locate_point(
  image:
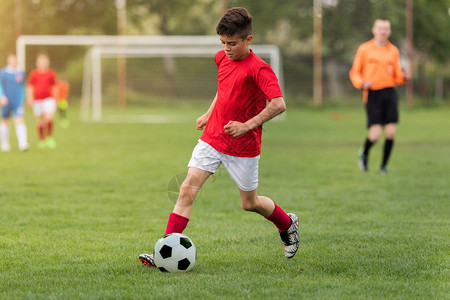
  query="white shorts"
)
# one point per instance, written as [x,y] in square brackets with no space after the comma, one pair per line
[40,107]
[243,170]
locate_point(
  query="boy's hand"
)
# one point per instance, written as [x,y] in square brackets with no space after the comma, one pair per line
[201,121]
[30,102]
[235,128]
[3,101]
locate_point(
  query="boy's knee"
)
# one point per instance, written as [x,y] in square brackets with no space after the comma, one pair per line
[390,135]
[248,206]
[390,132]
[188,192]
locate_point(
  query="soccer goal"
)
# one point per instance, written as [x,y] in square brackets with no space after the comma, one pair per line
[195,74]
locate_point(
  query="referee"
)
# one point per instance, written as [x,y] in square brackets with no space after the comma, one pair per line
[376,70]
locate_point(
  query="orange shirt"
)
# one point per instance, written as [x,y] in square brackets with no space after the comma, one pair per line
[63,89]
[378,65]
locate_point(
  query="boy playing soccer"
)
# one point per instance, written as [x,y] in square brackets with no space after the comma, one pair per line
[41,94]
[376,70]
[12,85]
[232,131]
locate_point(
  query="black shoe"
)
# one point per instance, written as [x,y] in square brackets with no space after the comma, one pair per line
[362,162]
[290,237]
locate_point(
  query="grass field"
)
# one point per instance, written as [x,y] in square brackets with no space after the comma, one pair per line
[74,220]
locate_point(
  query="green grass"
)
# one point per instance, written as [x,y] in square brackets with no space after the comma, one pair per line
[73,220]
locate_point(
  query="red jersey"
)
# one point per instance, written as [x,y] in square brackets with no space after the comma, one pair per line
[243,88]
[42,83]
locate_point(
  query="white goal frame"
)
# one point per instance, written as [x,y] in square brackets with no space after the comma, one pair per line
[92,85]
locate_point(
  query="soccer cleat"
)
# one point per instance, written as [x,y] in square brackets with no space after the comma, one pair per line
[383,170]
[362,162]
[290,237]
[147,260]
[50,142]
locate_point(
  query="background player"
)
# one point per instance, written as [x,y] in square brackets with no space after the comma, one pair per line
[376,70]
[232,131]
[12,85]
[41,93]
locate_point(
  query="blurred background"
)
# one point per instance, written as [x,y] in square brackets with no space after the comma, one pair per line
[317,40]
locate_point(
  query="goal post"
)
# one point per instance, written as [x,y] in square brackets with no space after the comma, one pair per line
[92,81]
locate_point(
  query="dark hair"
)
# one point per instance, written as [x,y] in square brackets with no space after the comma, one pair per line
[237,21]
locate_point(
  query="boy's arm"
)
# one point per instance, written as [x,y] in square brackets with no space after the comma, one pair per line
[275,107]
[356,72]
[201,121]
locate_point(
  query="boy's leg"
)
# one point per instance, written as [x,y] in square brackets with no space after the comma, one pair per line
[41,131]
[266,208]
[389,133]
[373,136]
[189,189]
[49,110]
[48,125]
[179,218]
[287,224]
[4,135]
[21,132]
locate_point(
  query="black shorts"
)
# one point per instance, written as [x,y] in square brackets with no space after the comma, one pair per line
[382,107]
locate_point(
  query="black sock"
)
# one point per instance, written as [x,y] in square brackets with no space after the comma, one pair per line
[367,145]
[388,144]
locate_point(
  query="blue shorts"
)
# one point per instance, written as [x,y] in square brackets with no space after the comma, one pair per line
[15,107]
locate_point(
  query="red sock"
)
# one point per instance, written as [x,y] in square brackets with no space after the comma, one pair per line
[41,132]
[176,223]
[49,128]
[280,219]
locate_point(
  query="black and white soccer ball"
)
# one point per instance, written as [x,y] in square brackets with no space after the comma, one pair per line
[175,252]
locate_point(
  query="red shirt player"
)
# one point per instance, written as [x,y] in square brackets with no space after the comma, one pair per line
[232,131]
[41,94]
